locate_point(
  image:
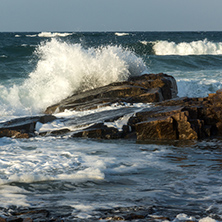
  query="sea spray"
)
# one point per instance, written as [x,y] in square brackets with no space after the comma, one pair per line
[64,68]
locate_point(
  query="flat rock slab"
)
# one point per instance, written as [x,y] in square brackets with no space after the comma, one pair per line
[146,88]
[23,127]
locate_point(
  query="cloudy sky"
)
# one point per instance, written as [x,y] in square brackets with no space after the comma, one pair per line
[110,15]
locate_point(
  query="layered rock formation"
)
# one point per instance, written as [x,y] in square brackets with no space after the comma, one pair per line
[145,88]
[169,117]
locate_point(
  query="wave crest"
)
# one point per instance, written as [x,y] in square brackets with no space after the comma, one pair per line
[121,33]
[65,68]
[201,47]
[50,34]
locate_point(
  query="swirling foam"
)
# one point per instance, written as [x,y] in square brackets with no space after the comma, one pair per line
[201,47]
[65,68]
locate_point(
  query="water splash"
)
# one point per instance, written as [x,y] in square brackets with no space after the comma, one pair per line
[65,68]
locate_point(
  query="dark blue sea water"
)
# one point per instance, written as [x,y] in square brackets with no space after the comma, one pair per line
[90,179]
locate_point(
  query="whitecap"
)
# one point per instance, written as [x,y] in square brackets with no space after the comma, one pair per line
[121,34]
[55,34]
[201,47]
[31,36]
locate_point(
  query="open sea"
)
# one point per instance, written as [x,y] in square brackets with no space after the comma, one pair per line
[95,180]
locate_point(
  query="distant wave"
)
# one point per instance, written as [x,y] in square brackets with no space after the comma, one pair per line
[50,34]
[31,35]
[146,42]
[121,33]
[201,47]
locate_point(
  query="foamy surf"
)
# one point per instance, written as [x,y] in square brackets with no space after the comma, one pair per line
[71,119]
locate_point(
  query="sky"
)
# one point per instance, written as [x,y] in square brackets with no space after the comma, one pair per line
[110,15]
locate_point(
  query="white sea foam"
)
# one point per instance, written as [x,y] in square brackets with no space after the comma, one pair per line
[34,35]
[198,84]
[50,34]
[201,47]
[145,42]
[53,34]
[41,165]
[207,219]
[183,217]
[68,114]
[12,195]
[65,68]
[121,34]
[118,124]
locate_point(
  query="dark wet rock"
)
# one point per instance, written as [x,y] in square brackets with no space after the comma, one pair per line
[128,214]
[99,131]
[38,214]
[32,214]
[23,127]
[146,88]
[55,132]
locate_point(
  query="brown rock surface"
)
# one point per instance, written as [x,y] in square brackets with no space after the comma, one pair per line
[181,119]
[146,88]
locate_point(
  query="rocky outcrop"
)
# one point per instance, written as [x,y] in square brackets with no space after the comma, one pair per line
[146,88]
[169,117]
[181,119]
[176,119]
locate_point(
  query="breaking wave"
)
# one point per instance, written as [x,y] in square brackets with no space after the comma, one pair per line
[65,68]
[201,47]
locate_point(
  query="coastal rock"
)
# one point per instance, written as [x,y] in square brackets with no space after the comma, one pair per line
[181,119]
[146,88]
[169,117]
[176,119]
[99,131]
[23,127]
